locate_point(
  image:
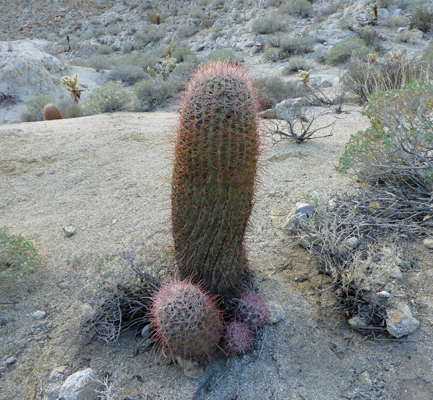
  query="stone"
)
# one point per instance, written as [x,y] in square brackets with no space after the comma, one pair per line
[357,323]
[364,380]
[399,321]
[384,294]
[276,312]
[69,231]
[428,242]
[352,242]
[304,208]
[290,108]
[145,332]
[10,361]
[382,15]
[395,272]
[190,368]
[80,386]
[269,113]
[57,376]
[38,315]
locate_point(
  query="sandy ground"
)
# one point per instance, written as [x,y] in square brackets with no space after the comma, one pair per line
[109,177]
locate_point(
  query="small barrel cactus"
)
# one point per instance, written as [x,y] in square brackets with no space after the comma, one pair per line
[252,309]
[51,111]
[186,320]
[238,337]
[214,175]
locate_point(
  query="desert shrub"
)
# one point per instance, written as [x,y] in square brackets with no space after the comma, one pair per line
[100,32]
[273,90]
[182,73]
[347,48]
[182,54]
[17,255]
[69,108]
[141,61]
[398,21]
[295,64]
[152,93]
[397,146]
[149,34]
[108,98]
[88,35]
[299,8]
[371,38]
[346,23]
[226,54]
[152,17]
[287,46]
[405,37]
[271,23]
[364,79]
[128,73]
[105,50]
[272,54]
[127,48]
[35,109]
[187,30]
[274,3]
[114,30]
[422,19]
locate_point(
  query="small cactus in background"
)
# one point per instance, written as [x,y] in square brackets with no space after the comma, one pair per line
[238,337]
[215,170]
[186,320]
[252,309]
[72,87]
[51,111]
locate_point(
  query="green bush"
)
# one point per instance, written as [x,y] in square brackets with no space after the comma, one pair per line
[272,54]
[182,54]
[108,98]
[105,50]
[69,108]
[17,255]
[150,34]
[346,23]
[152,93]
[100,32]
[344,50]
[397,146]
[271,23]
[299,8]
[187,30]
[35,109]
[287,46]
[128,73]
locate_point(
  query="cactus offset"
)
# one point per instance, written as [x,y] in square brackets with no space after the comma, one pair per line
[252,309]
[214,175]
[238,337]
[186,320]
[51,111]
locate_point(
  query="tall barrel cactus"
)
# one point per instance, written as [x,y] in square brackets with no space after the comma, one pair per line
[215,170]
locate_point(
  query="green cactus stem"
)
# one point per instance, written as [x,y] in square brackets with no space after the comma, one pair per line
[214,175]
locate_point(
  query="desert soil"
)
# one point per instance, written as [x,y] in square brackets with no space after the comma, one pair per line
[109,177]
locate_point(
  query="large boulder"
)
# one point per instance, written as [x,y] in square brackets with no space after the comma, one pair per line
[31,68]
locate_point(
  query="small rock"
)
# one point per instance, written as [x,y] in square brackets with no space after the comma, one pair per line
[114,221]
[80,386]
[400,321]
[69,231]
[10,361]
[190,368]
[395,273]
[38,315]
[428,242]
[145,332]
[301,278]
[276,312]
[402,29]
[357,323]
[352,242]
[269,113]
[304,208]
[384,294]
[364,380]
[59,374]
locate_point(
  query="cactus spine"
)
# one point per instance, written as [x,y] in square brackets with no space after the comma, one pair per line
[215,170]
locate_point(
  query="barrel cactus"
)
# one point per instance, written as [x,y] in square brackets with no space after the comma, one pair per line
[252,309]
[186,320]
[214,175]
[238,337]
[51,111]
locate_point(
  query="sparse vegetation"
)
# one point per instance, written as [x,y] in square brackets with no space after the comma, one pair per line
[152,93]
[108,98]
[273,90]
[299,8]
[270,24]
[17,255]
[288,45]
[35,109]
[344,50]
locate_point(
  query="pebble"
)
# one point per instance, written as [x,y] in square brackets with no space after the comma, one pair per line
[276,312]
[10,361]
[352,242]
[428,242]
[69,231]
[38,315]
[384,294]
[399,321]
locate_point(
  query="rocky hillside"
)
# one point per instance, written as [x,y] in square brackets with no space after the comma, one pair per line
[120,40]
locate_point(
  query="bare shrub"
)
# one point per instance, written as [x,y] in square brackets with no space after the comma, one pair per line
[299,8]
[271,23]
[295,64]
[397,69]
[273,90]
